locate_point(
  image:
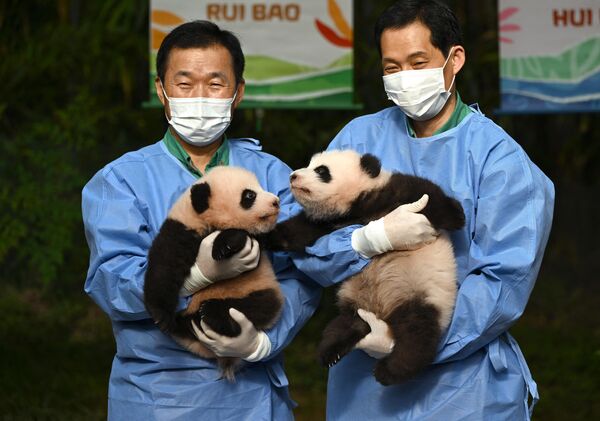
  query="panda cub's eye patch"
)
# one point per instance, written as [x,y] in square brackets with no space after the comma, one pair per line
[323,173]
[248,198]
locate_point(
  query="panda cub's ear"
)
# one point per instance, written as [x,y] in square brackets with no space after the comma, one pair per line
[199,196]
[370,164]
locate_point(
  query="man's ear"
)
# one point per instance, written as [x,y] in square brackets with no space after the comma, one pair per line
[241,88]
[458,58]
[200,193]
[159,91]
[370,164]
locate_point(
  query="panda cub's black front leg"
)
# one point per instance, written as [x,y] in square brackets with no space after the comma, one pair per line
[228,243]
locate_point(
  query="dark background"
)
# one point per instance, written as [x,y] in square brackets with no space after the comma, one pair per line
[72,77]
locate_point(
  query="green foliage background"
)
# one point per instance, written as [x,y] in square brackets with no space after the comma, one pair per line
[72,77]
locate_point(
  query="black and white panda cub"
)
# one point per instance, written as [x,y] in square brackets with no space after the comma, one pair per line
[228,199]
[413,291]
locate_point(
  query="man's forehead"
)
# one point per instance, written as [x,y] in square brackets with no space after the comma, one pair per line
[214,59]
[410,41]
[415,32]
[409,54]
[206,72]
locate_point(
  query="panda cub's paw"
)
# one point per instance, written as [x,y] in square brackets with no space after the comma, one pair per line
[228,243]
[331,353]
[215,313]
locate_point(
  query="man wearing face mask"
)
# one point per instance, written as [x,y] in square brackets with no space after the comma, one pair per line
[200,83]
[479,372]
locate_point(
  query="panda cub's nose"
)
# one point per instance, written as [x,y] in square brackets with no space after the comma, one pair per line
[293,176]
[276,203]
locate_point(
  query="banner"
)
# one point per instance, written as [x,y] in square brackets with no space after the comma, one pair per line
[299,54]
[549,55]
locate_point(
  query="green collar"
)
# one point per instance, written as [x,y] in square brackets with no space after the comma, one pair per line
[221,156]
[460,111]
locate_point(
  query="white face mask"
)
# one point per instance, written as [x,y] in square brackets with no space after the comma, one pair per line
[199,121]
[421,94]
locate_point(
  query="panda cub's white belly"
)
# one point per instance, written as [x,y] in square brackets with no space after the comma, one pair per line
[399,276]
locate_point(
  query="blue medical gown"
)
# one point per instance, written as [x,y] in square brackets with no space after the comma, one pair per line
[479,372]
[152,377]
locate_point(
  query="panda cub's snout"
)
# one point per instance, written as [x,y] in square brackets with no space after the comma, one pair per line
[270,200]
[297,177]
[300,181]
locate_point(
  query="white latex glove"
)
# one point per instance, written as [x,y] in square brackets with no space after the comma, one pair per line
[401,229]
[250,345]
[206,270]
[379,342]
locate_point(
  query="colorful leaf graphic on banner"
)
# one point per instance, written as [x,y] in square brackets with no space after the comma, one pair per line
[338,19]
[162,18]
[507,27]
[508,12]
[345,40]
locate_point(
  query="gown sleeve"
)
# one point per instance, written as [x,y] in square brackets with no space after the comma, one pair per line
[331,259]
[119,237]
[512,220]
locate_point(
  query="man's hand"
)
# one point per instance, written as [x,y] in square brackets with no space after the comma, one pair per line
[206,270]
[379,342]
[401,229]
[406,229]
[250,345]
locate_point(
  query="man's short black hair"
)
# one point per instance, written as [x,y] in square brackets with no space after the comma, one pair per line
[438,17]
[200,34]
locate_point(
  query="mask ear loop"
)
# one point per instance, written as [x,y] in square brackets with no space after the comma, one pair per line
[448,58]
[453,76]
[163,90]
[235,93]
[168,100]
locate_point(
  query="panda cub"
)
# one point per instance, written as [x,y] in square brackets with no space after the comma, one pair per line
[229,199]
[412,291]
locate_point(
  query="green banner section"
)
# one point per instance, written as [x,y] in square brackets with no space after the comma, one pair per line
[573,64]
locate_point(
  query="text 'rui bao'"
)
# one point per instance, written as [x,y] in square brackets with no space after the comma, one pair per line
[257,12]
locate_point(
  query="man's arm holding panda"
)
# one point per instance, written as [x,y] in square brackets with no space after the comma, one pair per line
[343,253]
